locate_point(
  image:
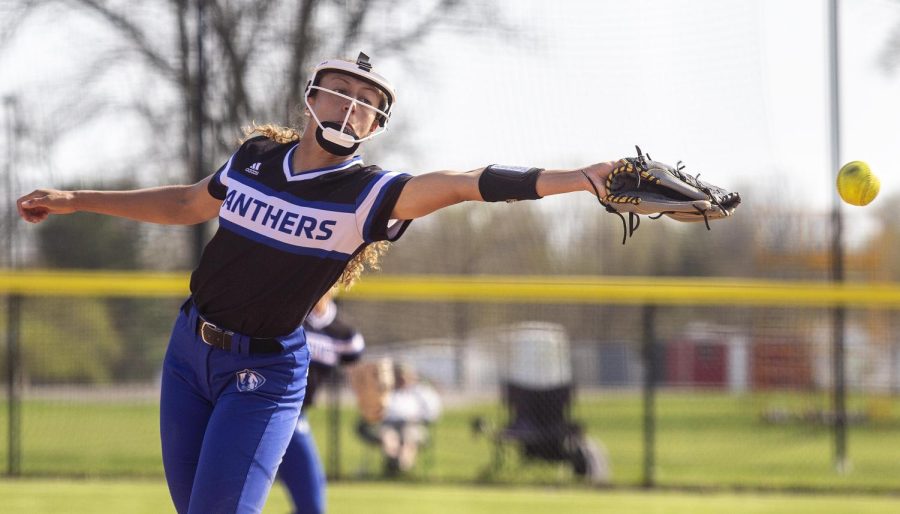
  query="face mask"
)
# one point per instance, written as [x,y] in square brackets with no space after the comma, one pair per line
[327,134]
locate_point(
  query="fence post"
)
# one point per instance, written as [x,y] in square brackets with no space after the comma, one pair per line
[13,391]
[649,389]
[837,248]
[839,392]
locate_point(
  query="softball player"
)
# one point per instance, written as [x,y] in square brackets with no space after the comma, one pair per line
[297,212]
[331,343]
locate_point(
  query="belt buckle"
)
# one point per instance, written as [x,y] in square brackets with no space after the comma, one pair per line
[222,339]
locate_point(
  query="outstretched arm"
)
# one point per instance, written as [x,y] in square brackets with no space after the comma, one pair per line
[430,192]
[167,205]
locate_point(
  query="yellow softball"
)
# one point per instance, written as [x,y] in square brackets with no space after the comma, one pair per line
[856,183]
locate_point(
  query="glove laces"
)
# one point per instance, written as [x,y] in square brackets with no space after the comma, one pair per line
[628,227]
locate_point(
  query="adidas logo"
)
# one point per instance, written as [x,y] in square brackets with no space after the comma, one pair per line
[253,169]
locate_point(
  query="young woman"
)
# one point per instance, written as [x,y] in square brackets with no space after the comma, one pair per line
[297,213]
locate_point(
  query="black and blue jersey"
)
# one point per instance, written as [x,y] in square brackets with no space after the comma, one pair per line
[284,238]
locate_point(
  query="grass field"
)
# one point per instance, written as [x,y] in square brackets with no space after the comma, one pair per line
[46,496]
[703,440]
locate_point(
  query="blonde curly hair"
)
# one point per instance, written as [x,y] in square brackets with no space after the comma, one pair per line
[370,256]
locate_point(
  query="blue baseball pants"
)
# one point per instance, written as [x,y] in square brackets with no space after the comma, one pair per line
[226,419]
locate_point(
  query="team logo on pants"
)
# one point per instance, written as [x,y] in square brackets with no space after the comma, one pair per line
[249,380]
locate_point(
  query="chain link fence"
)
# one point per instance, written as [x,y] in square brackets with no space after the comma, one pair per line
[578,394]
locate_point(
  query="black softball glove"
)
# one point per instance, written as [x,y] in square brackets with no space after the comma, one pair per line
[642,186]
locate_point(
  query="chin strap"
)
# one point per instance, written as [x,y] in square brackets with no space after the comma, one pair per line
[330,146]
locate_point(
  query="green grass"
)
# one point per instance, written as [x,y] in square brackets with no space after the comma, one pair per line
[713,439]
[40,496]
[703,440]
[91,438]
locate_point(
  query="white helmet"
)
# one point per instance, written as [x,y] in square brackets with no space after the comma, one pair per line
[362,70]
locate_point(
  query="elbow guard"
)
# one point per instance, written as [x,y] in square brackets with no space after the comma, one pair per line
[499,183]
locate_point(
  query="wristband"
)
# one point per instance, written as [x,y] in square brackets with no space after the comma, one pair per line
[499,183]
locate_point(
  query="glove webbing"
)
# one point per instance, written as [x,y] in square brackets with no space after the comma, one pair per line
[640,163]
[695,181]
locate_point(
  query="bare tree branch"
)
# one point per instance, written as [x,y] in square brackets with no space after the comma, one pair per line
[224,22]
[301,43]
[356,16]
[442,15]
[13,16]
[251,46]
[256,55]
[132,33]
[185,78]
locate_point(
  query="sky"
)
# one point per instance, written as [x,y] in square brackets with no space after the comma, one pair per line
[737,89]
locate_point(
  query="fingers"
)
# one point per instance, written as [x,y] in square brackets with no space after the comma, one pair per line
[36,215]
[603,171]
[26,208]
[595,184]
[33,213]
[33,207]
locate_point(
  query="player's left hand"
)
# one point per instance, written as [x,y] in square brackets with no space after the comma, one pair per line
[597,175]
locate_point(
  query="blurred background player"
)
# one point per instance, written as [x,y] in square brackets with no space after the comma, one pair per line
[331,343]
[396,410]
[412,407]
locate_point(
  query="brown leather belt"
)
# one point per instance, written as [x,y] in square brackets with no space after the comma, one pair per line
[221,338]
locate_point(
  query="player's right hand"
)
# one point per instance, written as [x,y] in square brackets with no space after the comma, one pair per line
[38,205]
